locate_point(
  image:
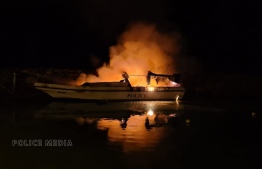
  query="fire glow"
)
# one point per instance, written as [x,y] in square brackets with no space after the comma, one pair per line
[150,112]
[141,48]
[150,88]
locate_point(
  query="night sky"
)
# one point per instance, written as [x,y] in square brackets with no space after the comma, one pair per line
[224,36]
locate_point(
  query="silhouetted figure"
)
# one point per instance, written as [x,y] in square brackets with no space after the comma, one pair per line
[147,125]
[123,123]
[156,119]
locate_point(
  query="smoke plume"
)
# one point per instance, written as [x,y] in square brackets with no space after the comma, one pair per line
[141,48]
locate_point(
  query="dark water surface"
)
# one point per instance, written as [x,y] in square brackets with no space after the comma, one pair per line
[178,134]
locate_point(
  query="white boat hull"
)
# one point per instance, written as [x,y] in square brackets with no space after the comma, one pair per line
[109,93]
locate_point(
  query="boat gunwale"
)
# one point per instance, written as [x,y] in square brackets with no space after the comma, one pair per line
[92,88]
[180,89]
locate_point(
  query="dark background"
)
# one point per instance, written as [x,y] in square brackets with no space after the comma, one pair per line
[224,36]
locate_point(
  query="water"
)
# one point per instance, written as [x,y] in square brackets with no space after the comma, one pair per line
[178,134]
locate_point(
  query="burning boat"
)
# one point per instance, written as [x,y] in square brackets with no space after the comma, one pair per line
[122,90]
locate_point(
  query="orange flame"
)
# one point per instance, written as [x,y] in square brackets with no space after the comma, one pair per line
[141,48]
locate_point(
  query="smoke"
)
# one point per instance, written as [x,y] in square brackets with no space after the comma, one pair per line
[141,48]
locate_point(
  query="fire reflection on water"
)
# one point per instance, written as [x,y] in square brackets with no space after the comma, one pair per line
[136,132]
[133,133]
[129,126]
